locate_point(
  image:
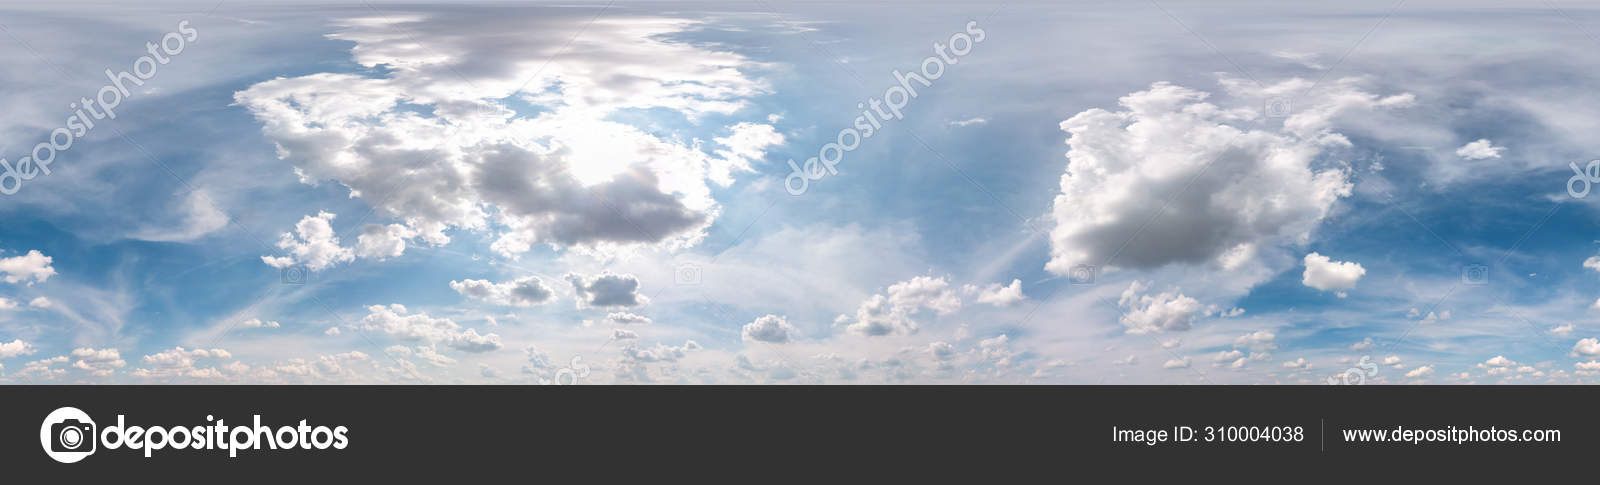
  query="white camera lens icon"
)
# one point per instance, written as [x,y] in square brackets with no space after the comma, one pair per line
[68,435]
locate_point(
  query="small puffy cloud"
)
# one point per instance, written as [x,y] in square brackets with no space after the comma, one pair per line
[1228,356]
[383,242]
[331,332]
[98,362]
[1176,364]
[998,295]
[179,357]
[606,290]
[33,267]
[1562,330]
[41,302]
[1498,365]
[15,348]
[394,321]
[928,292]
[1480,150]
[942,351]
[1163,312]
[623,334]
[1419,372]
[1129,360]
[525,291]
[1326,274]
[769,328]
[258,323]
[1586,347]
[1364,345]
[312,244]
[1298,364]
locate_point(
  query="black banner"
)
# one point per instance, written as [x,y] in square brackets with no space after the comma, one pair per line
[611,433]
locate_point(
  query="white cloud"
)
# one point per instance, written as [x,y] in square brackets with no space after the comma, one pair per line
[1562,330]
[1260,340]
[1299,364]
[568,176]
[258,323]
[179,357]
[31,266]
[525,291]
[316,246]
[1422,371]
[97,362]
[1168,311]
[968,122]
[381,242]
[769,328]
[1586,347]
[1265,189]
[200,217]
[394,321]
[1364,345]
[1326,274]
[998,295]
[1480,150]
[15,348]
[1176,364]
[41,302]
[881,315]
[625,318]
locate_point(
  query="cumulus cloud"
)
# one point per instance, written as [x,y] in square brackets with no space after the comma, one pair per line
[97,362]
[1238,190]
[1176,364]
[569,176]
[606,290]
[1326,274]
[1421,371]
[1480,150]
[312,244]
[41,302]
[1297,364]
[892,313]
[34,266]
[382,242]
[1163,312]
[181,358]
[525,291]
[394,321]
[998,295]
[1587,347]
[15,348]
[773,329]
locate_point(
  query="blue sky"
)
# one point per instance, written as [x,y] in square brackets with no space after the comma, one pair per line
[531,193]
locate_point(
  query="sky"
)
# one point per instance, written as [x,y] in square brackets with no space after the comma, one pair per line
[800,193]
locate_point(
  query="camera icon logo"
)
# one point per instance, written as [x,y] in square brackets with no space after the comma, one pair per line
[68,435]
[687,274]
[1278,107]
[1082,274]
[293,275]
[1475,274]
